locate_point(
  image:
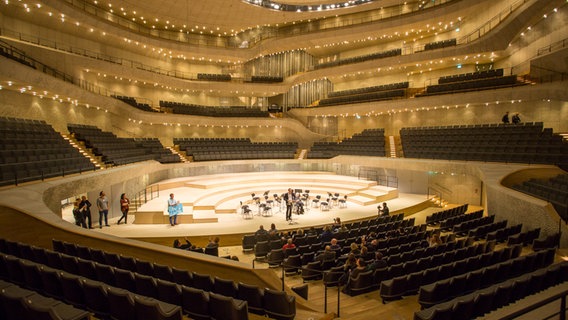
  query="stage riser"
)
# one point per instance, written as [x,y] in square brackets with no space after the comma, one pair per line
[158,217]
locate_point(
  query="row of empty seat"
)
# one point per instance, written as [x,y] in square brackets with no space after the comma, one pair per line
[370,142]
[204,149]
[119,151]
[170,285]
[469,85]
[213,77]
[20,303]
[266,79]
[371,56]
[384,87]
[440,44]
[482,301]
[213,111]
[32,150]
[554,190]
[471,76]
[364,97]
[132,101]
[527,143]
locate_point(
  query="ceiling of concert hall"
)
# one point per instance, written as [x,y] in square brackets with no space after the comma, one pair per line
[232,14]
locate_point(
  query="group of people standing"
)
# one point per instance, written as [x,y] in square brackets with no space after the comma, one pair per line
[82,210]
[516,119]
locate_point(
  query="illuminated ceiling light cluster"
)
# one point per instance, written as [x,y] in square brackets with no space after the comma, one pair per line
[274,5]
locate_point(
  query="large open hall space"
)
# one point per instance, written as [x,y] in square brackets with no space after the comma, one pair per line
[283,159]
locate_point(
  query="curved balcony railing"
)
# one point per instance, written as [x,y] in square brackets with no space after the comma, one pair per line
[257,35]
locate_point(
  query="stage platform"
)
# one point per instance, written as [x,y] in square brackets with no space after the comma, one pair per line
[212,204]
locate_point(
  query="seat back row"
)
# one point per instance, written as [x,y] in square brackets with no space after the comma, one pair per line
[404,284]
[436,217]
[447,289]
[277,302]
[19,303]
[96,296]
[480,302]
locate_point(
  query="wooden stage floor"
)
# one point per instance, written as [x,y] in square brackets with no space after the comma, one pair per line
[218,197]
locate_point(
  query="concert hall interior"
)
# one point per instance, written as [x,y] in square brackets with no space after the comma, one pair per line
[450,112]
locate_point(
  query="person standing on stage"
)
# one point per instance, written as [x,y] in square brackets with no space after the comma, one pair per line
[102,205]
[174,208]
[85,207]
[124,206]
[289,197]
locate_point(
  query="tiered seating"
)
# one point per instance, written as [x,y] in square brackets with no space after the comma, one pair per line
[478,84]
[384,87]
[181,287]
[114,150]
[374,95]
[517,285]
[471,76]
[370,142]
[82,283]
[213,77]
[464,227]
[410,283]
[449,223]
[19,303]
[440,44]
[554,190]
[32,150]
[502,234]
[206,149]
[372,56]
[155,147]
[525,238]
[132,101]
[524,143]
[437,217]
[215,111]
[266,79]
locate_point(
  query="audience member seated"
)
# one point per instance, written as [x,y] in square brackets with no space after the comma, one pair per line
[288,245]
[179,245]
[326,255]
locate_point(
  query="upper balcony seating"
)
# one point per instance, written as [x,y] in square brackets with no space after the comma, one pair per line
[471,76]
[440,44]
[384,87]
[132,101]
[524,143]
[381,94]
[372,56]
[370,142]
[32,150]
[266,79]
[119,151]
[213,77]
[206,149]
[218,111]
[554,190]
[480,83]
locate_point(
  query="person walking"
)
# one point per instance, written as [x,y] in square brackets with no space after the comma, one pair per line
[124,206]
